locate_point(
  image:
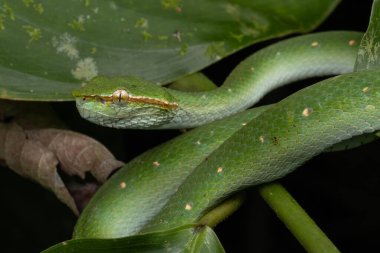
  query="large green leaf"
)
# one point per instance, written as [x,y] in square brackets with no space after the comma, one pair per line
[49,47]
[183,239]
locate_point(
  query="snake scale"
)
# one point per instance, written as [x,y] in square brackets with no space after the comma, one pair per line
[179,181]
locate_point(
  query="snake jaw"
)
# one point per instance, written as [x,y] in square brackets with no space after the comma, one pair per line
[133,115]
[125,103]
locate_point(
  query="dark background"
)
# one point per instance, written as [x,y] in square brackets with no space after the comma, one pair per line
[340,191]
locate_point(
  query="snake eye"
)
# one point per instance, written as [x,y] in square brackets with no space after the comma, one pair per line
[119,95]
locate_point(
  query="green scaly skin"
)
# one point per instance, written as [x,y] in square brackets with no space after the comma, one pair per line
[163,190]
[126,211]
[328,53]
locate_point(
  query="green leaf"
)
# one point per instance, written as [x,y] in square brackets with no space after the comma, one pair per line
[49,47]
[189,238]
[369,50]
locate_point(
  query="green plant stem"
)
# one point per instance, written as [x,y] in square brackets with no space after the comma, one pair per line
[296,219]
[223,210]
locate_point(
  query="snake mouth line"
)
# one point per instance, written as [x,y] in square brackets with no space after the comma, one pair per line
[134,99]
[114,121]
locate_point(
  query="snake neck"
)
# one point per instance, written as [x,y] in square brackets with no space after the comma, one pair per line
[277,65]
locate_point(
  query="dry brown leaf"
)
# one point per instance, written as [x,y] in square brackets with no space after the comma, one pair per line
[40,164]
[77,153]
[35,153]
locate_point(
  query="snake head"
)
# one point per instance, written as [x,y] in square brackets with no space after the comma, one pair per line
[126,102]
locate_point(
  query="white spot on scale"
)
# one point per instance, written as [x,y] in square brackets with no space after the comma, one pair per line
[219,170]
[278,53]
[229,90]
[307,111]
[123,185]
[156,164]
[314,44]
[243,124]
[198,142]
[188,207]
[261,139]
[370,107]
[365,89]
[351,42]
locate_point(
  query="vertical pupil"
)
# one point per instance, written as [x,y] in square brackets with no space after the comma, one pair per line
[119,96]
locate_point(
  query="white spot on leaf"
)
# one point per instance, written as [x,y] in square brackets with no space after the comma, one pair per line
[177,35]
[142,23]
[86,69]
[66,44]
[113,6]
[78,24]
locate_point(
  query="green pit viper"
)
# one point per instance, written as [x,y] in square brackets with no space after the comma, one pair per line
[180,181]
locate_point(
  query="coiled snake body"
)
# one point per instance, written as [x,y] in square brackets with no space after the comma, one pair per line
[164,190]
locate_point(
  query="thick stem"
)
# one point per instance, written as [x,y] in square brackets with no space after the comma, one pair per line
[296,219]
